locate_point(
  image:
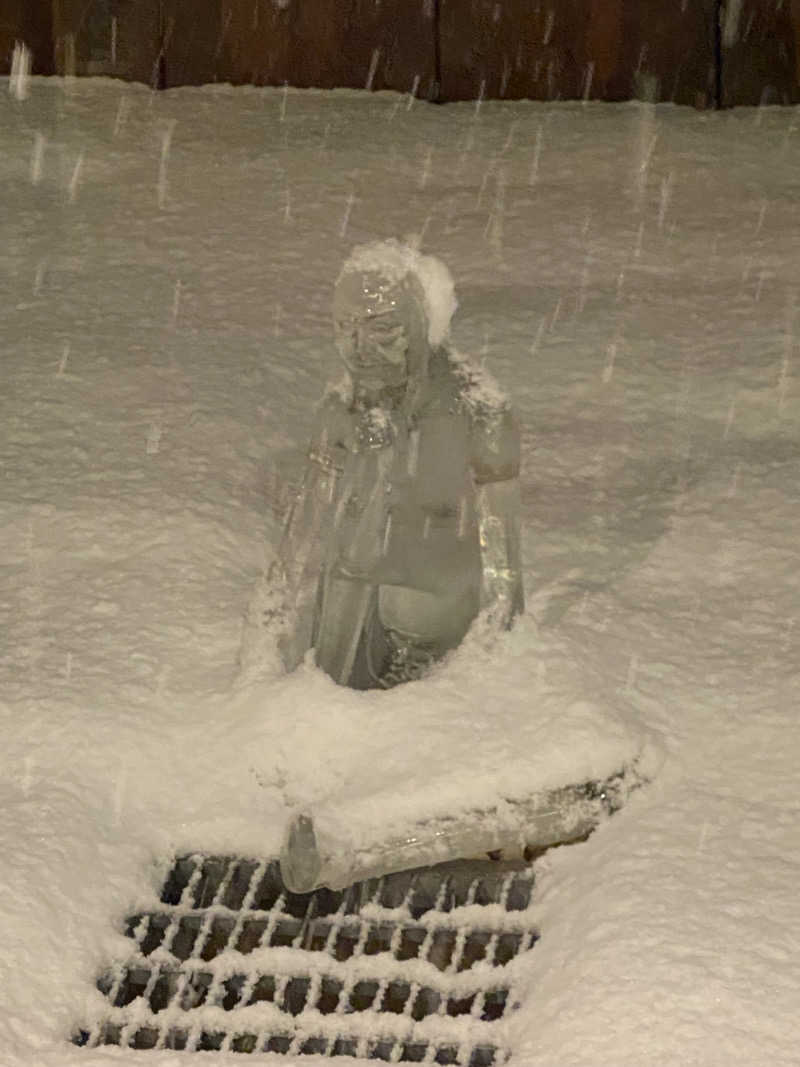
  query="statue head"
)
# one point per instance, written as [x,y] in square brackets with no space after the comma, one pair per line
[383,323]
[380,335]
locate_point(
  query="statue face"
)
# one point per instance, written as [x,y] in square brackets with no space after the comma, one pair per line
[370,323]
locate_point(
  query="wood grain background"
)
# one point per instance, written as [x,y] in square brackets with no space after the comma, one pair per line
[668,50]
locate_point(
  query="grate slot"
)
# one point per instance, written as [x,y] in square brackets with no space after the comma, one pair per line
[446,1054]
[484,1056]
[346,944]
[442,948]
[239,884]
[133,985]
[460,1005]
[164,989]
[494,1004]
[176,1039]
[269,889]
[344,1046]
[143,1038]
[210,1042]
[314,1046]
[411,941]
[295,995]
[475,947]
[178,880]
[244,1043]
[183,942]
[519,893]
[263,989]
[396,888]
[218,937]
[508,946]
[426,1003]
[250,935]
[414,1053]
[396,997]
[212,871]
[193,990]
[363,996]
[232,991]
[149,932]
[379,939]
[381,1049]
[328,996]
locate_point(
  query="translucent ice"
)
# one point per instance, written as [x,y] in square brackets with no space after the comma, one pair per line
[326,850]
[406,527]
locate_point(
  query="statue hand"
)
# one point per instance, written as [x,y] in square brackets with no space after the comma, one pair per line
[498,614]
[275,603]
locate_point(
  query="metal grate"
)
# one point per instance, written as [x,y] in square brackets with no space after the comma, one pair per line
[410,967]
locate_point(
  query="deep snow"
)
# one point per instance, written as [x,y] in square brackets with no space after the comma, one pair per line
[628,273]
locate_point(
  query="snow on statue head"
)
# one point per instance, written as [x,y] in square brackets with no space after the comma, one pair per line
[391,305]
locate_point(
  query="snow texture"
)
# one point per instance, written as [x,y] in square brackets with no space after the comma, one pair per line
[629,275]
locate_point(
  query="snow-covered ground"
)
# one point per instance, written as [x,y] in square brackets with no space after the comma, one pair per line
[629,274]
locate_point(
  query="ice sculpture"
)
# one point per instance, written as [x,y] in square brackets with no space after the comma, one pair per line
[407,524]
[326,849]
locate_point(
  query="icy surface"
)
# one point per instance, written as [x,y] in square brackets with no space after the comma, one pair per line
[629,275]
[407,523]
[394,260]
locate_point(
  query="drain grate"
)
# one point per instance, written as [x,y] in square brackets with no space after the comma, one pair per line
[409,967]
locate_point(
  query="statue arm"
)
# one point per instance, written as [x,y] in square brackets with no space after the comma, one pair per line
[501,570]
[294,576]
[496,461]
[301,547]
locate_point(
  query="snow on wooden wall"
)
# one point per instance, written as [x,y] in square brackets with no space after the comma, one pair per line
[694,52]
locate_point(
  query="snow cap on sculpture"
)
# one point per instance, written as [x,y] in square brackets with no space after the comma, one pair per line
[395,261]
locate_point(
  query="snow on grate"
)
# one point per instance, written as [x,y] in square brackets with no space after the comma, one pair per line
[409,967]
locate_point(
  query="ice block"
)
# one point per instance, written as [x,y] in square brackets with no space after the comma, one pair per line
[323,850]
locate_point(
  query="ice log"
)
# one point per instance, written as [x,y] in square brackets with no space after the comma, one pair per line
[336,848]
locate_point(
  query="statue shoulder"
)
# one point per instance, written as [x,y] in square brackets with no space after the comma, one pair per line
[333,410]
[462,383]
[494,430]
[332,429]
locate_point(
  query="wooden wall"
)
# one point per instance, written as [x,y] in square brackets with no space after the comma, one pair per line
[760,56]
[120,38]
[353,43]
[541,49]
[31,22]
[573,49]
